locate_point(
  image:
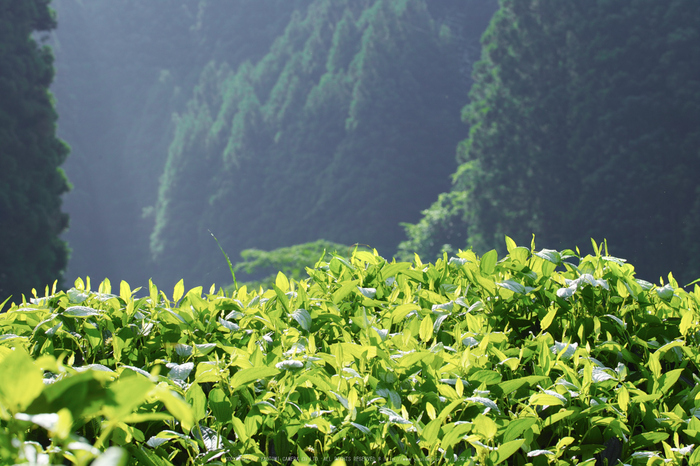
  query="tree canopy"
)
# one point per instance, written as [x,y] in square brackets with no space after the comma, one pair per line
[346,128]
[583,122]
[31,182]
[124,67]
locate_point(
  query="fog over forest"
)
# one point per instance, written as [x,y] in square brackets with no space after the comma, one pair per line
[422,126]
[269,123]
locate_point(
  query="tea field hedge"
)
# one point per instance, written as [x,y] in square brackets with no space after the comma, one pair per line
[536,358]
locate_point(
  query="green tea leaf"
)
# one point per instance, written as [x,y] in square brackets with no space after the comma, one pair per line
[113,456]
[431,430]
[22,381]
[303,317]
[180,371]
[544,399]
[516,427]
[556,417]
[245,376]
[282,298]
[667,380]
[623,398]
[220,405]
[488,262]
[282,282]
[124,291]
[179,290]
[401,311]
[507,450]
[344,291]
[81,311]
[240,429]
[654,365]
[176,406]
[198,401]
[509,386]
[128,393]
[426,329]
[487,377]
[686,322]
[549,255]
[548,319]
[366,256]
[510,244]
[453,434]
[647,439]
[485,426]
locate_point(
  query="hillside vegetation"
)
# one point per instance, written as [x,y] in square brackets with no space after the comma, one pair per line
[346,128]
[268,122]
[583,123]
[124,68]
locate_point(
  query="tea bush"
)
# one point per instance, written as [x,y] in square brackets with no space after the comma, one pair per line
[539,357]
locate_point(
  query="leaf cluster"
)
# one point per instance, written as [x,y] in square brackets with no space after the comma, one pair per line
[536,358]
[261,267]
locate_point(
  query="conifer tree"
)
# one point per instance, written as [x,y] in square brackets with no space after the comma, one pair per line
[346,128]
[583,124]
[31,183]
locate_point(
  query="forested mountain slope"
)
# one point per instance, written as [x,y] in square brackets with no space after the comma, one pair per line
[346,128]
[123,68]
[584,123]
[268,122]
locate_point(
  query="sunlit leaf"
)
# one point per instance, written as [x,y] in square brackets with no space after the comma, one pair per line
[245,376]
[426,329]
[26,384]
[550,255]
[80,311]
[180,371]
[282,282]
[506,450]
[179,290]
[368,292]
[113,456]
[197,400]
[488,262]
[303,317]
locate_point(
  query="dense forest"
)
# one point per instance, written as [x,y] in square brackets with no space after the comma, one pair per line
[124,68]
[267,123]
[31,180]
[277,122]
[346,128]
[584,123]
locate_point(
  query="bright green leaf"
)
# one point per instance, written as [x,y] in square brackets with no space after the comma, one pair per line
[245,376]
[507,450]
[488,262]
[198,401]
[22,381]
[179,290]
[426,329]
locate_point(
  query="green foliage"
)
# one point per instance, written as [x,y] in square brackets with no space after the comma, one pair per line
[262,267]
[31,182]
[582,124]
[438,230]
[353,112]
[125,69]
[539,357]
